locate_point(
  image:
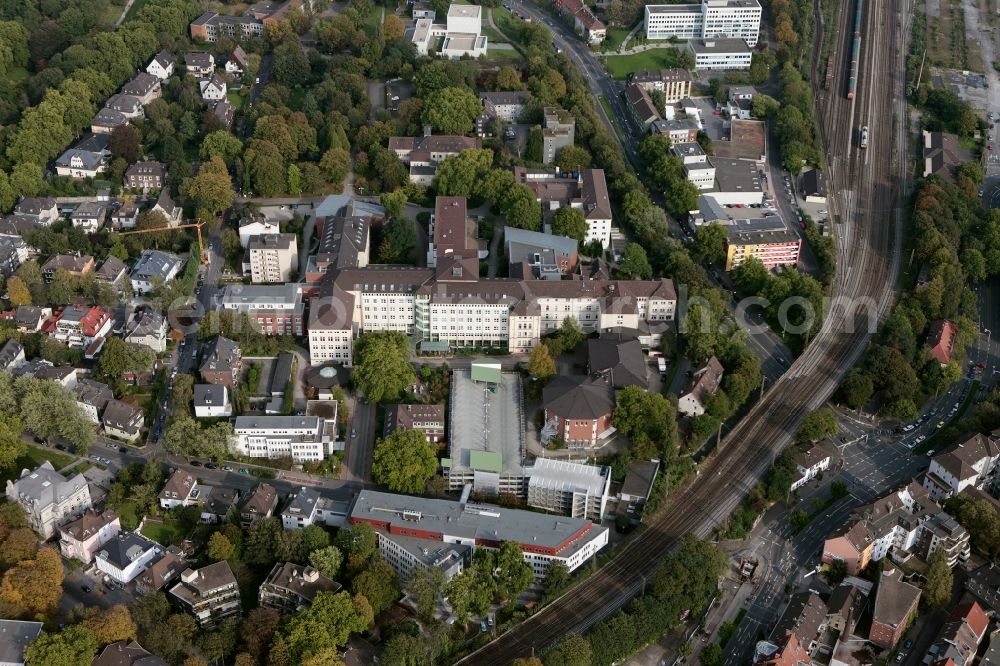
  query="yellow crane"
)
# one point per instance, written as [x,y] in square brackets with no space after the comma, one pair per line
[202,254]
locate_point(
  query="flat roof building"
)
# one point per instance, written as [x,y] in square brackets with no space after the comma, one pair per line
[573,489]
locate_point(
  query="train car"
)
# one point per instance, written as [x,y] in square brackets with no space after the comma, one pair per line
[829,73]
[863,143]
[852,81]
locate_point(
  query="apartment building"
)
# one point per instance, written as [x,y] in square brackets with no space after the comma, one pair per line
[697,167]
[273,258]
[737,19]
[49,498]
[77,326]
[211,594]
[89,216]
[256,225]
[290,587]
[122,420]
[906,520]
[80,539]
[578,409]
[449,233]
[302,438]
[277,310]
[640,106]
[92,397]
[210,26]
[543,538]
[428,419]
[558,131]
[587,190]
[211,401]
[767,239]
[505,105]
[674,83]
[260,503]
[572,489]
[895,605]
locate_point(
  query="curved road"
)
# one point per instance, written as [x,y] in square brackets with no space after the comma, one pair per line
[862,294]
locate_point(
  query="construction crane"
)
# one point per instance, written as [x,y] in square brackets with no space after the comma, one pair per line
[203,255]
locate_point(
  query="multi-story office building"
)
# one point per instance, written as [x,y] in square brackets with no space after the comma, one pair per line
[543,538]
[273,257]
[760,238]
[301,438]
[586,190]
[720,54]
[738,19]
[277,310]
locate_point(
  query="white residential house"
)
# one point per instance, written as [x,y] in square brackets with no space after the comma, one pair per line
[703,384]
[813,460]
[256,226]
[49,498]
[149,329]
[237,61]
[11,355]
[83,162]
[166,206]
[308,508]
[211,401]
[971,464]
[42,210]
[161,66]
[303,438]
[179,490]
[153,268]
[213,89]
[89,216]
[125,556]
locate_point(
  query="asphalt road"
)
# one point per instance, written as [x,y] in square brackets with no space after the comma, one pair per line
[361,442]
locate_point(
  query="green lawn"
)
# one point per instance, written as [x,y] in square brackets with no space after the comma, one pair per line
[166,533]
[34,457]
[621,66]
[134,9]
[614,39]
[236,98]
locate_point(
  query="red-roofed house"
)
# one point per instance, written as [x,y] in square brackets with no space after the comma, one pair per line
[973,615]
[788,652]
[79,325]
[584,21]
[941,340]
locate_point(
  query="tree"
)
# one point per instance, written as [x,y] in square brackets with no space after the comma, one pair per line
[424,586]
[291,67]
[73,646]
[572,650]
[381,368]
[764,106]
[458,175]
[570,222]
[513,575]
[572,158]
[404,461]
[34,585]
[18,292]
[556,578]
[12,446]
[522,210]
[817,424]
[709,243]
[20,544]
[264,168]
[259,628]
[335,164]
[220,547]
[394,203]
[378,584]
[221,144]
[399,237]
[327,561]
[451,110]
[540,363]
[570,333]
[751,277]
[119,357]
[27,179]
[212,189]
[835,572]
[937,590]
[358,543]
[8,195]
[114,624]
[981,520]
[635,264]
[328,622]
[126,142]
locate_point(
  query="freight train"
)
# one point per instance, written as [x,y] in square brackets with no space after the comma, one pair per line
[852,81]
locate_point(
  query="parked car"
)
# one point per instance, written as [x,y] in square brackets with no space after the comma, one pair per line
[195,463]
[227,468]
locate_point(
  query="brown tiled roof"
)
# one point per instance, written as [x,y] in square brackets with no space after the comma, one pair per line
[162,572]
[89,524]
[178,486]
[705,380]
[261,499]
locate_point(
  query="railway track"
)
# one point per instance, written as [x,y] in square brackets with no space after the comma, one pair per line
[863,292]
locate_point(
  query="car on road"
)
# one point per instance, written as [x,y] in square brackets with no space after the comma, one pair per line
[940,424]
[244,470]
[823,211]
[227,468]
[211,465]
[95,458]
[920,439]
[908,644]
[87,589]
[930,454]
[195,463]
[354,433]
